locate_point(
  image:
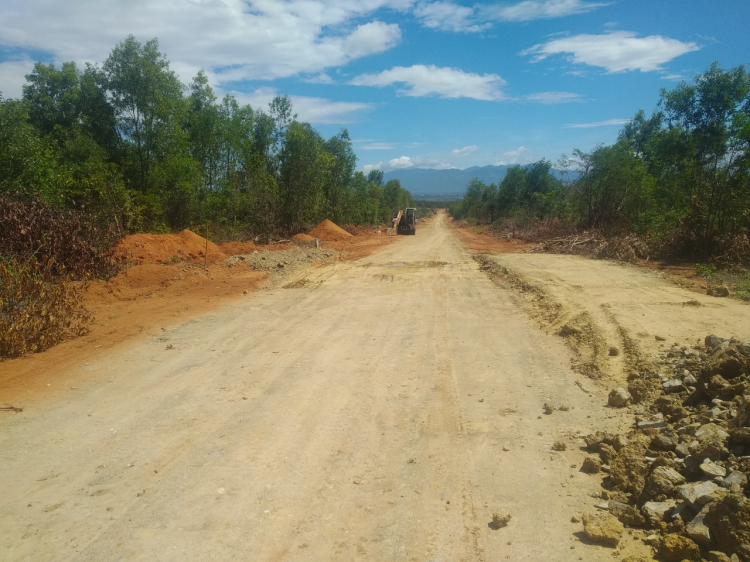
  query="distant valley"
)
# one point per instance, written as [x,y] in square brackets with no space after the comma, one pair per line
[449,184]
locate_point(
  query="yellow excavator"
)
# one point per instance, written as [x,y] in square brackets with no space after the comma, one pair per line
[405,222]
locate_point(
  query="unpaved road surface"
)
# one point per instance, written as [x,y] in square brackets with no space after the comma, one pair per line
[378,409]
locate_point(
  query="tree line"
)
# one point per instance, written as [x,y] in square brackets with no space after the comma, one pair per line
[680,177]
[131,146]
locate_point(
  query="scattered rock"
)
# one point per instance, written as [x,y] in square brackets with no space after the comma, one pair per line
[629,468]
[559,446]
[736,478]
[626,514]
[652,424]
[548,408]
[713,341]
[614,352]
[591,465]
[673,385]
[711,469]
[662,482]
[718,291]
[739,435]
[716,556]
[500,519]
[699,493]
[618,397]
[676,548]
[656,512]
[697,529]
[711,442]
[568,330]
[603,528]
[728,520]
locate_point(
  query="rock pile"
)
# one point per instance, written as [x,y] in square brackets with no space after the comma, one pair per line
[683,471]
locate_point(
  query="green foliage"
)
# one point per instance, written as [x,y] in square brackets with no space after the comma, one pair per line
[680,178]
[134,149]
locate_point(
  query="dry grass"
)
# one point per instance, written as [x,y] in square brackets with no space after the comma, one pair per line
[39,307]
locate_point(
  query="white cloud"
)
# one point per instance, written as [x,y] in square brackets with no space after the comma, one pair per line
[539,9]
[408,162]
[607,123]
[401,162]
[465,151]
[616,52]
[429,80]
[550,98]
[312,110]
[13,76]
[231,39]
[379,146]
[320,78]
[448,16]
[512,156]
[675,77]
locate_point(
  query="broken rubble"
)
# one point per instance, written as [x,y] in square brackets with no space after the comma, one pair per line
[661,482]
[656,512]
[618,397]
[603,528]
[711,469]
[728,520]
[676,548]
[591,465]
[699,493]
[697,529]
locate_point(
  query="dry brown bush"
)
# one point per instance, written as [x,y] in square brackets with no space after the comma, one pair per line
[70,241]
[39,307]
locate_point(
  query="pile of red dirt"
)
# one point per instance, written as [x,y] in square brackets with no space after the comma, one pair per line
[165,248]
[330,231]
[302,237]
[234,248]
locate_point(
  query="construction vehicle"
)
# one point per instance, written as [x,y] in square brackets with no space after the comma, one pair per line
[407,221]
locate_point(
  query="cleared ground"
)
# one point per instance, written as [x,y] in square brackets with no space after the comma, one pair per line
[378,409]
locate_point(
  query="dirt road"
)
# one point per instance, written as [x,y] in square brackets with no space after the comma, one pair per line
[378,409]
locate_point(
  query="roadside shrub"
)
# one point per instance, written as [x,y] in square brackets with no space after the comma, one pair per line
[69,241]
[39,307]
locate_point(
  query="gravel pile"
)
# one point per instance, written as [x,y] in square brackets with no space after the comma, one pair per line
[282,262]
[682,473]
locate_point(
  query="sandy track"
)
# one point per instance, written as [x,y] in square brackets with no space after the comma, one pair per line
[361,415]
[632,309]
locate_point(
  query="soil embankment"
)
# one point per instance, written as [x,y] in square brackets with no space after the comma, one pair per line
[163,284]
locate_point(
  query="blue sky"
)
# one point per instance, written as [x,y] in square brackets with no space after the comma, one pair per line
[417,83]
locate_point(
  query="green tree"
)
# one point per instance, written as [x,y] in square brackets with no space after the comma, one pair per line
[614,189]
[150,111]
[28,160]
[304,167]
[338,195]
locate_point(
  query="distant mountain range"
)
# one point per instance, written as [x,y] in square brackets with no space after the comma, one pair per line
[452,183]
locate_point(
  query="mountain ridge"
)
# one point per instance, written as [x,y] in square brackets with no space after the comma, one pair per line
[451,182]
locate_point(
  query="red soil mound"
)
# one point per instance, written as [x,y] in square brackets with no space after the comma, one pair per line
[302,237]
[161,248]
[330,231]
[234,248]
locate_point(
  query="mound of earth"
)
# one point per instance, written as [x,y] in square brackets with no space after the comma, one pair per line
[165,248]
[330,231]
[234,248]
[302,237]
